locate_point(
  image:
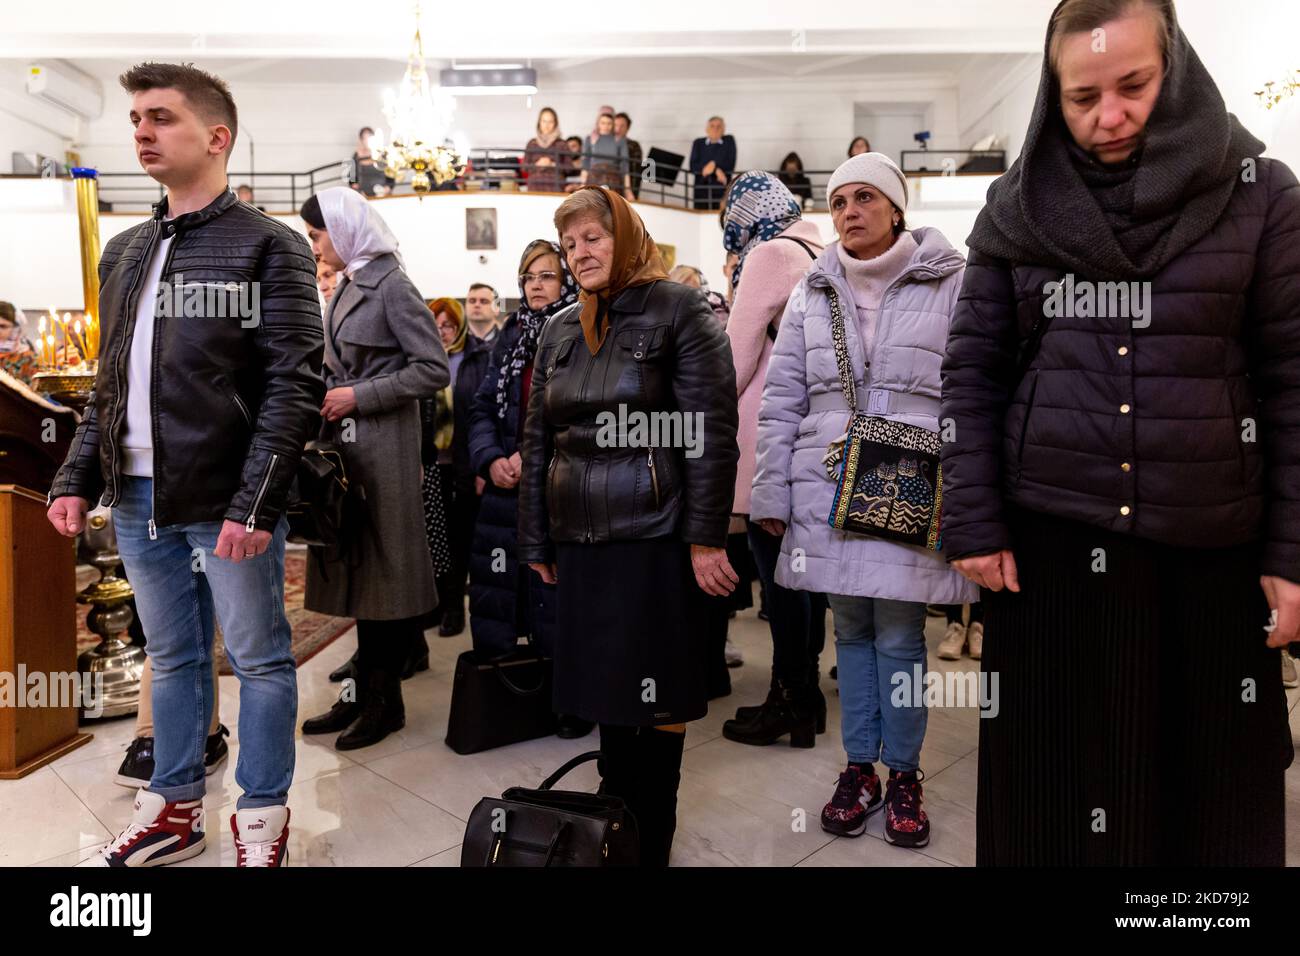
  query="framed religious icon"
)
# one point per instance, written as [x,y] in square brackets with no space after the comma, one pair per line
[480,228]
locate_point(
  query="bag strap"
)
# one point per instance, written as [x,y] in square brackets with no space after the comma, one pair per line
[806,248]
[512,686]
[771,326]
[1029,347]
[848,385]
[554,778]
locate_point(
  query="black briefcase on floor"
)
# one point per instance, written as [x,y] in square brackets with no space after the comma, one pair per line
[546,827]
[503,701]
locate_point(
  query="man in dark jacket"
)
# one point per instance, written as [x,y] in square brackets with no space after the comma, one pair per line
[623,123]
[713,160]
[209,384]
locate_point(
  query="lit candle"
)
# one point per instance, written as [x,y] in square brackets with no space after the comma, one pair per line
[54,355]
[79,337]
[63,336]
[40,339]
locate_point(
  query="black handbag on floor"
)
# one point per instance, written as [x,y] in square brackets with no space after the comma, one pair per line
[499,702]
[546,827]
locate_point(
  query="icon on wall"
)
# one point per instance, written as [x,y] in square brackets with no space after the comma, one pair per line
[480,228]
[669,254]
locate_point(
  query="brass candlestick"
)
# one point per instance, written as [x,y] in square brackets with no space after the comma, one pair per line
[115,663]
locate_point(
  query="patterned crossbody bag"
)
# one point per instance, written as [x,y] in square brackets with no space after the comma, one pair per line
[888,480]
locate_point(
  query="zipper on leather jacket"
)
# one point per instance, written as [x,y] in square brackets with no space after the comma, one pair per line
[654,477]
[129,317]
[251,525]
[243,409]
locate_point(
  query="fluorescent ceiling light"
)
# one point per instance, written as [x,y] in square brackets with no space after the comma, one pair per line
[486,66]
[489,81]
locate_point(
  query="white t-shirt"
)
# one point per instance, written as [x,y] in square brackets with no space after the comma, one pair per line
[137,433]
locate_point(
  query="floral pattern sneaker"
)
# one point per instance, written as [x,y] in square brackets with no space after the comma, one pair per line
[905,821]
[856,797]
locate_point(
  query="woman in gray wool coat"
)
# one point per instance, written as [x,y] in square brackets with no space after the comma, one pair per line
[382,355]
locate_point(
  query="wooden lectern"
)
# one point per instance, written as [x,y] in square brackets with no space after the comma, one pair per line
[38,633]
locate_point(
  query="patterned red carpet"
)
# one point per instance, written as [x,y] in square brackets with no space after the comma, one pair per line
[311,631]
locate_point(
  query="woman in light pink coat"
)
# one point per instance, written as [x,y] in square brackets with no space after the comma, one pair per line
[763,226]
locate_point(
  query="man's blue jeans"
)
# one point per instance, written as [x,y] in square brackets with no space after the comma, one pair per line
[875,640]
[180,585]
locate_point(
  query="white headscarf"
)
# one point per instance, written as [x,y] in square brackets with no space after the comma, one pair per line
[358,232]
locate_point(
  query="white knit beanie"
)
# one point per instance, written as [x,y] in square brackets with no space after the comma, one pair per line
[874,169]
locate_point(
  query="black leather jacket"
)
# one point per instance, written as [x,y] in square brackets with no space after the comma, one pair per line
[664,352]
[234,397]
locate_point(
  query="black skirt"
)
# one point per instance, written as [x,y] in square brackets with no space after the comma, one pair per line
[628,647]
[1141,718]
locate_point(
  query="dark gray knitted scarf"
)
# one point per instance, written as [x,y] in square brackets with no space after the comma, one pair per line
[1058,206]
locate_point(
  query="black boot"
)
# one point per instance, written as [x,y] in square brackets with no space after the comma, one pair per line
[795,713]
[453,622]
[417,658]
[345,671]
[345,710]
[748,713]
[569,727]
[382,712]
[655,802]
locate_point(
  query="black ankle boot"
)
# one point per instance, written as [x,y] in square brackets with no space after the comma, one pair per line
[341,715]
[345,671]
[745,714]
[453,623]
[654,803]
[793,713]
[381,713]
[417,658]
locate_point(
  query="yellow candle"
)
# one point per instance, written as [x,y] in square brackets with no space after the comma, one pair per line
[79,337]
[54,355]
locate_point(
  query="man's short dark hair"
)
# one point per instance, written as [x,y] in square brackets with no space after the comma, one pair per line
[482,285]
[207,94]
[625,118]
[364,130]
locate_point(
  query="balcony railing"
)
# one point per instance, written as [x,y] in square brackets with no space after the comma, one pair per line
[492,169]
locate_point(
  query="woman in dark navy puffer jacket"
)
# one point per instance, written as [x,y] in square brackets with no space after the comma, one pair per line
[505,599]
[1122,474]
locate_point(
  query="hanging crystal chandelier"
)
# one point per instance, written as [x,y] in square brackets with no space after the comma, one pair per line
[419,118]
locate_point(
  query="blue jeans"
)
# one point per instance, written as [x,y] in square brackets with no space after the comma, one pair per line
[177,603]
[875,640]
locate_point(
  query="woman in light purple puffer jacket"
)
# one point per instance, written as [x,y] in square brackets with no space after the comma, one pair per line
[900,286]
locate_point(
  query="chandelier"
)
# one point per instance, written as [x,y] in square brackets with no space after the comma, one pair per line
[1274,93]
[419,118]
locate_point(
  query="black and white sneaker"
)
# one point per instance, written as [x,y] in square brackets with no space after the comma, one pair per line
[137,766]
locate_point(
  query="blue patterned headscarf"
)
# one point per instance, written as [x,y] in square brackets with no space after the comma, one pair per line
[759,206]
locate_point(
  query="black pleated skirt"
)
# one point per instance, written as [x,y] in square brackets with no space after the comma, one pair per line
[1141,718]
[629,643]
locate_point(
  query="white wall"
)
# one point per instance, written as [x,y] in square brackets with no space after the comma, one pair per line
[28,125]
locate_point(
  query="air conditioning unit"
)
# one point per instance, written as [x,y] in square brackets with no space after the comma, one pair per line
[65,89]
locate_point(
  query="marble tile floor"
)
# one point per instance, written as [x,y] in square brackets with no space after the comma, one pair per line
[405,801]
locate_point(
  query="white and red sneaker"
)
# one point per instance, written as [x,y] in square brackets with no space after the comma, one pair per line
[261,836]
[160,833]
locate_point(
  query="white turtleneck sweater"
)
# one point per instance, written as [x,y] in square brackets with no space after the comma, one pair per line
[869,278]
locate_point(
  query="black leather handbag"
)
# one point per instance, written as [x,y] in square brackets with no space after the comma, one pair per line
[501,701]
[318,505]
[546,827]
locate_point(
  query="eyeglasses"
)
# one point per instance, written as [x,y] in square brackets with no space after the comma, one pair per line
[528,277]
